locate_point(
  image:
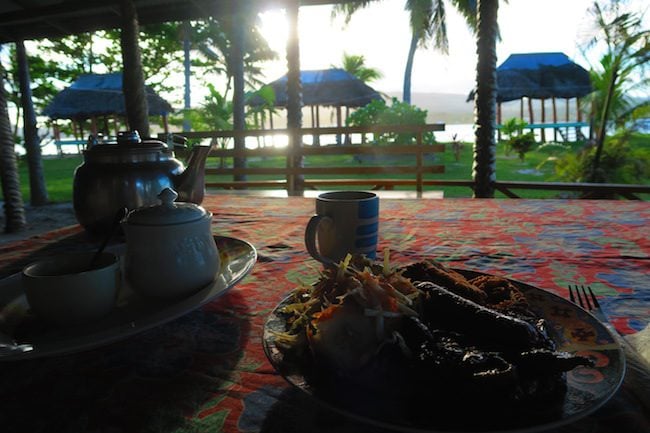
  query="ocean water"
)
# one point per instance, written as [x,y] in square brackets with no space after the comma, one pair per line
[463,132]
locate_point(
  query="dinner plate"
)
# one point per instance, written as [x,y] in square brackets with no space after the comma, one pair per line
[132,314]
[573,329]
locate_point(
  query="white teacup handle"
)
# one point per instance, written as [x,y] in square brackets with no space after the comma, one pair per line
[311,233]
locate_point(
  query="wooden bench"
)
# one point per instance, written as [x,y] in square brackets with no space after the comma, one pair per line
[79,144]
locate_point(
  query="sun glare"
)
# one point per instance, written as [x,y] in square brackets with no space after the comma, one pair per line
[275,28]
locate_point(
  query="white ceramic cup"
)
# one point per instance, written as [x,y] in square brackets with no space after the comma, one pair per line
[64,290]
[345,222]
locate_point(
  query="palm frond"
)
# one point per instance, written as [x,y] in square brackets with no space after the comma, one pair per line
[346,10]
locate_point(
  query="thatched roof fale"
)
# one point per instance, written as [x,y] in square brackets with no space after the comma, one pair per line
[541,75]
[93,95]
[328,87]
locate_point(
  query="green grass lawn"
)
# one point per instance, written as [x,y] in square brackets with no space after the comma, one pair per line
[538,166]
[58,177]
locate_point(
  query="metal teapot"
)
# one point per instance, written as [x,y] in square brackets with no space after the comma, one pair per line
[131,172]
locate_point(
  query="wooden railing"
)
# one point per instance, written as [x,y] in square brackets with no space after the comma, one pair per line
[579,190]
[298,178]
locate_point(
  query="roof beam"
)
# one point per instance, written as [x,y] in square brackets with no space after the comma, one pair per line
[39,19]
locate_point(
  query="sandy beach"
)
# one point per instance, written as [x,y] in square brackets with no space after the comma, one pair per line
[40,219]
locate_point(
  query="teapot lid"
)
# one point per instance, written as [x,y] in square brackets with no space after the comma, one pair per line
[167,213]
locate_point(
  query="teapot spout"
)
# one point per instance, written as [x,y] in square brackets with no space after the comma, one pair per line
[190,184]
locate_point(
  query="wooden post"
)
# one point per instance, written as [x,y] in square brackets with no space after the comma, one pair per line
[418,159]
[165,124]
[499,121]
[566,114]
[531,117]
[116,125]
[554,119]
[259,124]
[315,137]
[93,125]
[56,131]
[579,117]
[338,124]
[521,108]
[348,138]
[566,118]
[543,130]
[271,127]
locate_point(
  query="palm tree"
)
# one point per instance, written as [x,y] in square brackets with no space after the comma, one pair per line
[213,39]
[627,54]
[13,206]
[234,46]
[37,189]
[356,65]
[135,98]
[485,99]
[294,98]
[428,22]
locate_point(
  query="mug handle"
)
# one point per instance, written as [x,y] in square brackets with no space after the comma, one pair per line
[310,239]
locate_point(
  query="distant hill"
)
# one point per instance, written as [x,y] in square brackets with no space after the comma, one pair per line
[449,108]
[452,108]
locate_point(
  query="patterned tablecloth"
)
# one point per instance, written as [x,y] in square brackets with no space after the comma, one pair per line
[207,372]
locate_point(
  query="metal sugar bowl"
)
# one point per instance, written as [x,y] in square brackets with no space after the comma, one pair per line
[170,250]
[131,172]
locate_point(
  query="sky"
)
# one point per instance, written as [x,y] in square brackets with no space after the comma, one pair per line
[381,33]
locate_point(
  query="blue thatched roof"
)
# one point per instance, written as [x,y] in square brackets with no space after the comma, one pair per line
[94,95]
[328,87]
[541,75]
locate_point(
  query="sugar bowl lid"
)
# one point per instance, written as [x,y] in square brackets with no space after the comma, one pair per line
[168,212]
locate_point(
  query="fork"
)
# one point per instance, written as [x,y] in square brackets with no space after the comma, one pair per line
[587,301]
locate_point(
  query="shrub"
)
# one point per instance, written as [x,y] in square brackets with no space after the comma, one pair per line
[522,143]
[398,113]
[517,140]
[619,163]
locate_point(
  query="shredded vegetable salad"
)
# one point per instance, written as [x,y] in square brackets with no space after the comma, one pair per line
[347,314]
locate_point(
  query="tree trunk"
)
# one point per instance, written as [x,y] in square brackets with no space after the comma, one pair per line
[187,28]
[294,98]
[14,208]
[406,92]
[595,175]
[484,169]
[237,56]
[135,97]
[37,189]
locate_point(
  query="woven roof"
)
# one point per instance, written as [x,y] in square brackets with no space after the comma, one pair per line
[94,95]
[541,75]
[328,87]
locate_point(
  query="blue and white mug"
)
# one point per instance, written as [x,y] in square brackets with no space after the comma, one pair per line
[345,222]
